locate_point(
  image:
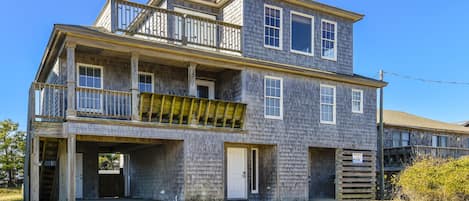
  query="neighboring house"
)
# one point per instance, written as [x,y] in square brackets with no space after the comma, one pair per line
[464,123]
[407,136]
[205,100]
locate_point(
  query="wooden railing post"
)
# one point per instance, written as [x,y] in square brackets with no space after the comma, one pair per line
[71,80]
[191,79]
[134,86]
[183,30]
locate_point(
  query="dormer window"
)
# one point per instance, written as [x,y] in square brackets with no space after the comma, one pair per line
[302,30]
[329,40]
[272,27]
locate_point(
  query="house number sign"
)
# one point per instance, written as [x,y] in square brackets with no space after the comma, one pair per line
[357,157]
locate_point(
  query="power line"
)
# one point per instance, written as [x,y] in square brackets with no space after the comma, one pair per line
[426,80]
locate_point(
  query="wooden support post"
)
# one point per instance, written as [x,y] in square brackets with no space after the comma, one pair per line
[338,174]
[62,152]
[134,85]
[71,163]
[71,79]
[34,176]
[191,78]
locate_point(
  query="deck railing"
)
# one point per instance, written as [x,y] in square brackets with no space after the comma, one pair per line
[400,156]
[181,110]
[49,101]
[103,103]
[170,26]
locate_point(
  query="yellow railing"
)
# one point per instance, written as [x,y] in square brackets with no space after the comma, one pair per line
[181,110]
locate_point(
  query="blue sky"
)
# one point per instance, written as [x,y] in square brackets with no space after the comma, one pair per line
[425,39]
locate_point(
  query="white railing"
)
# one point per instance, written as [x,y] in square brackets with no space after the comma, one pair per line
[103,103]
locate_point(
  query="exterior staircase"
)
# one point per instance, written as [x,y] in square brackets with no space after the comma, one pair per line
[48,176]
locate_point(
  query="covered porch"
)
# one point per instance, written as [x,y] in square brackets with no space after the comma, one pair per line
[140,169]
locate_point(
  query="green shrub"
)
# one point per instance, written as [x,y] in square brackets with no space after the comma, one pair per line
[432,179]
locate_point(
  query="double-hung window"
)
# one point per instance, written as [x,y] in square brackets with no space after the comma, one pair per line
[145,82]
[272,27]
[90,78]
[328,104]
[329,40]
[273,100]
[357,101]
[302,37]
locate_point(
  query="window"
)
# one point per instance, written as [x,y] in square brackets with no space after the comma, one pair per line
[272,27]
[302,29]
[205,89]
[273,100]
[327,104]
[90,77]
[439,141]
[357,101]
[145,82]
[254,170]
[400,139]
[329,40]
[467,143]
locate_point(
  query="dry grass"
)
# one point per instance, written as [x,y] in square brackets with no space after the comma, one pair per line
[11,194]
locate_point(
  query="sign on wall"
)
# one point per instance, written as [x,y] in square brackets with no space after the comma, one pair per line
[357,157]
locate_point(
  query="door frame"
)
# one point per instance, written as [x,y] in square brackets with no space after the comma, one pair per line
[209,84]
[246,189]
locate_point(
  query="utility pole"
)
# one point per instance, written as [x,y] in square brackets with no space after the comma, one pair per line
[381,140]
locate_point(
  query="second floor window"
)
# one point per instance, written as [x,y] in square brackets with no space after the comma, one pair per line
[400,139]
[357,101]
[89,78]
[329,40]
[272,26]
[328,104]
[145,82]
[302,33]
[439,141]
[273,97]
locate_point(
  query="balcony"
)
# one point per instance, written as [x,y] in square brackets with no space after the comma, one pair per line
[49,103]
[396,158]
[161,25]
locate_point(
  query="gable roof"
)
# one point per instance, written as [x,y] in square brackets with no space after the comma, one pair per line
[406,120]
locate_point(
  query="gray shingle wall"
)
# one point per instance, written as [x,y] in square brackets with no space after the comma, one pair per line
[157,172]
[253,43]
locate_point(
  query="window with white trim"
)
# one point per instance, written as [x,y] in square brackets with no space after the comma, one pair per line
[328,104]
[329,40]
[254,170]
[145,82]
[272,26]
[302,37]
[90,77]
[357,101]
[273,97]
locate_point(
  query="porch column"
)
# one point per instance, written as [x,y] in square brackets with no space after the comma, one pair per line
[191,77]
[71,79]
[34,177]
[134,85]
[62,153]
[71,163]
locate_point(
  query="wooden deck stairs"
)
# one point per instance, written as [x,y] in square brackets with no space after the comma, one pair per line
[48,171]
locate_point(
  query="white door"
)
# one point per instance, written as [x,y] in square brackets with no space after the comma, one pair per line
[79,176]
[236,173]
